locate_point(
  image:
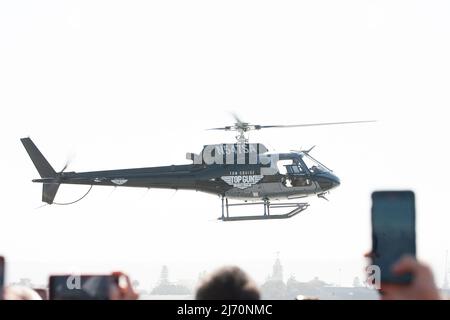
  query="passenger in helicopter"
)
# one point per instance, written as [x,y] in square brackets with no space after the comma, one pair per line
[300,181]
[295,181]
[287,181]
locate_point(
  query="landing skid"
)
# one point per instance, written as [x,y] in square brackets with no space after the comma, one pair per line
[297,208]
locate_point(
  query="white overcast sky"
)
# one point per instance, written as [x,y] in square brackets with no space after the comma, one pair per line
[125,84]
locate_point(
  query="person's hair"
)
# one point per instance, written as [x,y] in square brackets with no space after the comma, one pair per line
[228,283]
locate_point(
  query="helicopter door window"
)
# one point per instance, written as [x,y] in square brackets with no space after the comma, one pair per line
[284,166]
[296,169]
[289,170]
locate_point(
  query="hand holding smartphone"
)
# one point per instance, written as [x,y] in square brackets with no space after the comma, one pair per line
[393,232]
[82,287]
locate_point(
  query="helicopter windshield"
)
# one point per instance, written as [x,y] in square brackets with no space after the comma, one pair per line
[313,165]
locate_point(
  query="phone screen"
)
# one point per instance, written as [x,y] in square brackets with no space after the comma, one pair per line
[2,276]
[70,287]
[393,231]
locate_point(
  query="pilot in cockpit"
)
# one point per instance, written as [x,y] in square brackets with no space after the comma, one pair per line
[314,169]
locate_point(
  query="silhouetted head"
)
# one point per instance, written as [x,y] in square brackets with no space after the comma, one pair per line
[228,283]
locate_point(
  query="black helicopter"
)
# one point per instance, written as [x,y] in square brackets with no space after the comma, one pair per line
[240,171]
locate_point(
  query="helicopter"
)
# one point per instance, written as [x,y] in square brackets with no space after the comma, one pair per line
[241,171]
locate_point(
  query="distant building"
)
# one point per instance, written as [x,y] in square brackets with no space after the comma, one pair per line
[277,274]
[357,283]
[135,285]
[274,288]
[318,289]
[164,278]
[165,287]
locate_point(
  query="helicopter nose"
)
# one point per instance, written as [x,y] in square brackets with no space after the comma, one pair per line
[328,182]
[336,182]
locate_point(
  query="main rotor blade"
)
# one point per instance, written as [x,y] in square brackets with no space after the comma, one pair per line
[312,124]
[223,128]
[235,116]
[258,127]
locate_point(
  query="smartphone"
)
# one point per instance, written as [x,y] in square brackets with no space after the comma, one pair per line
[84,287]
[2,276]
[393,231]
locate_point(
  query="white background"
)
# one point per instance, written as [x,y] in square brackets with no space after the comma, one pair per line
[127,84]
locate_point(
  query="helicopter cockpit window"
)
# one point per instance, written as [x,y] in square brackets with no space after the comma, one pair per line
[314,165]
